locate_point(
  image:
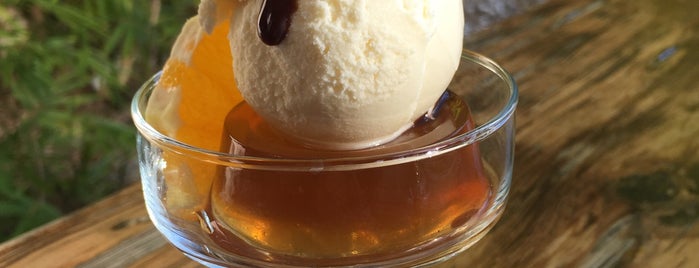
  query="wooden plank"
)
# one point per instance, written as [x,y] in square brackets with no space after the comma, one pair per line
[607,169]
[111,233]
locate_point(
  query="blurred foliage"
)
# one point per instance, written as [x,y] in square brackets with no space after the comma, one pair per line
[67,72]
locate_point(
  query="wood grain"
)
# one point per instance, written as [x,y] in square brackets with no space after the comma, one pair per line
[117,226]
[607,168]
[607,162]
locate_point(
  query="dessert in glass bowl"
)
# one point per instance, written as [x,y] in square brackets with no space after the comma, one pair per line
[325,133]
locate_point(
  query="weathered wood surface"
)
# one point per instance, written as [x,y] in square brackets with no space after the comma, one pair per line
[607,168]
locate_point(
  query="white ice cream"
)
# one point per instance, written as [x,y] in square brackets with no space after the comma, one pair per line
[350,73]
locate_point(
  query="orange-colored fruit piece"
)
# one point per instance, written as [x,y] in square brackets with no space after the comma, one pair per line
[189,103]
[196,89]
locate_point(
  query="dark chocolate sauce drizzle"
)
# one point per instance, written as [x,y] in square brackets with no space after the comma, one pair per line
[275,20]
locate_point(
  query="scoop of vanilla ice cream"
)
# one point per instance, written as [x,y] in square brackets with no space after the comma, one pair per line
[350,73]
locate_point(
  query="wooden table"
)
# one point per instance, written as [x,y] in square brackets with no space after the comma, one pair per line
[607,169]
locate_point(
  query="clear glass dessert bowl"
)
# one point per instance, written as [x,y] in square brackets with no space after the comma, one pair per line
[416,201]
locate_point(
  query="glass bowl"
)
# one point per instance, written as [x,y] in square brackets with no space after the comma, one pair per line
[411,205]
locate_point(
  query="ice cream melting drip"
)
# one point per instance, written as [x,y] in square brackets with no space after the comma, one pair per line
[275,20]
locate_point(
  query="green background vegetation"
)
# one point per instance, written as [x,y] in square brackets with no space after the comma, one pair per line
[68,70]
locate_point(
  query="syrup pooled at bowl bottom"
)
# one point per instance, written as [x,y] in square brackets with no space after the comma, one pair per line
[317,214]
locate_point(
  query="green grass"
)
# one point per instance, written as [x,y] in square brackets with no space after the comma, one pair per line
[68,70]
